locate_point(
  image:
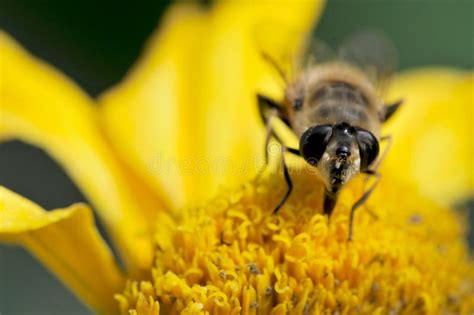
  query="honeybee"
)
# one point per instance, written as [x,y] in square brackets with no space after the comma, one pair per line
[335,107]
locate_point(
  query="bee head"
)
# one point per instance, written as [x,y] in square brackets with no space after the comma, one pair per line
[339,152]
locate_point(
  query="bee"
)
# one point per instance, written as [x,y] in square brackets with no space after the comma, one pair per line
[335,107]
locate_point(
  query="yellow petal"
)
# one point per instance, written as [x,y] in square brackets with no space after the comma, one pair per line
[41,106]
[185,118]
[433,132]
[68,243]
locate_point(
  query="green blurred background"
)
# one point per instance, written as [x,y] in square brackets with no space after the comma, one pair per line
[95,42]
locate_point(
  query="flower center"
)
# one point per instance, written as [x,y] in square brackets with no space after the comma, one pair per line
[234,256]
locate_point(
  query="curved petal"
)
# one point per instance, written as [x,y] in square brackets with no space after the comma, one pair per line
[67,242]
[41,106]
[433,132]
[185,118]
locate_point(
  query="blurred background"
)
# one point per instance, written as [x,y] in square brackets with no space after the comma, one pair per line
[95,42]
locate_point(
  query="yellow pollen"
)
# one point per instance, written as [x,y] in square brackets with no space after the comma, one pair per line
[233,256]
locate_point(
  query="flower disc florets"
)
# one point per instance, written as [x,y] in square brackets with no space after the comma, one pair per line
[234,257]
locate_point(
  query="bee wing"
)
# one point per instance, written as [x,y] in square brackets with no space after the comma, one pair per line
[291,52]
[315,51]
[371,52]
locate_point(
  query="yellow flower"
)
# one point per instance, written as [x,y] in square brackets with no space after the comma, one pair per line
[146,157]
[409,260]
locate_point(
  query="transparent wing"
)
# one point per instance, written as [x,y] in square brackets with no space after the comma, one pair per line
[315,51]
[371,52]
[290,53]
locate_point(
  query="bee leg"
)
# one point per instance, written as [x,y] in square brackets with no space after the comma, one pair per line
[362,199]
[293,151]
[389,110]
[268,135]
[375,167]
[266,104]
[287,179]
[329,202]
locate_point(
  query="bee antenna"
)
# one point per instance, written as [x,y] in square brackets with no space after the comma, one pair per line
[275,65]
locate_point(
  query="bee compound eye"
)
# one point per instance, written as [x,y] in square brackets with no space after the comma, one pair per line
[313,143]
[368,148]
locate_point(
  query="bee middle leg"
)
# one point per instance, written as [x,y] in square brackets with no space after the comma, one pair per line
[287,179]
[362,199]
[268,135]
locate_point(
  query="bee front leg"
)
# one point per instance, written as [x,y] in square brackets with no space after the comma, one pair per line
[330,200]
[362,199]
[287,179]
[375,167]
[268,135]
